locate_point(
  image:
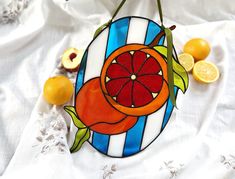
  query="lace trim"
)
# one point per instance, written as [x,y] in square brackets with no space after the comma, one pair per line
[12,10]
[52,133]
[228,161]
[172,167]
[108,171]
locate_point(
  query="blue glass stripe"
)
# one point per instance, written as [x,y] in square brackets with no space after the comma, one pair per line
[100,142]
[117,35]
[169,109]
[81,73]
[117,38]
[161,41]
[152,30]
[134,137]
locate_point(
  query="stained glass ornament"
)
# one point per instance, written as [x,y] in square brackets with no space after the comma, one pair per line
[122,101]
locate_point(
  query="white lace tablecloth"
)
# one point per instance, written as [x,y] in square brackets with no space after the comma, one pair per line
[197,143]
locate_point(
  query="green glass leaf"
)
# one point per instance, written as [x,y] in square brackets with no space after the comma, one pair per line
[178,82]
[82,135]
[180,75]
[72,112]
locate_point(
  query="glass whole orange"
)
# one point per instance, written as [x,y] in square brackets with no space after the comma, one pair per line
[134,80]
[97,114]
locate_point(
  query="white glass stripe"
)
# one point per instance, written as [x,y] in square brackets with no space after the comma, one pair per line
[90,139]
[153,126]
[137,30]
[116,144]
[96,56]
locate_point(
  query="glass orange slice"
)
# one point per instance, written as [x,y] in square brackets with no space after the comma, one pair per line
[134,80]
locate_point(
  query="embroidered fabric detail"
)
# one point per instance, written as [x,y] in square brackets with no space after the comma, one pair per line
[228,161]
[52,133]
[10,12]
[172,167]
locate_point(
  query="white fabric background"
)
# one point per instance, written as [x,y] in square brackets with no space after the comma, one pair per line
[201,133]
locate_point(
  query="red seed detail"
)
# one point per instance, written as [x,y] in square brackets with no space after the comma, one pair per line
[72,56]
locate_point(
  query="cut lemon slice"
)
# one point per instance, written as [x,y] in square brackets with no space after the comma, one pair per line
[187,61]
[205,72]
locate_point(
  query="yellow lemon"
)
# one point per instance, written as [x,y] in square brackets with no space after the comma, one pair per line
[187,61]
[198,48]
[206,72]
[58,90]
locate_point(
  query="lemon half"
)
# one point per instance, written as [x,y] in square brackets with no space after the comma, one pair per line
[205,72]
[187,61]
